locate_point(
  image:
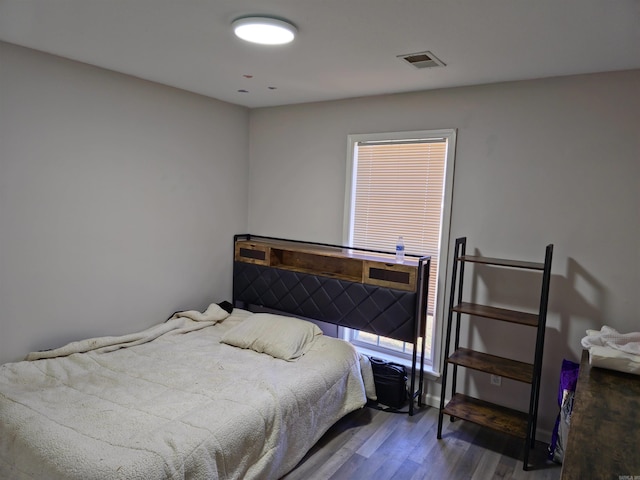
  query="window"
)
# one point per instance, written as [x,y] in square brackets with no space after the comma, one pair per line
[400,184]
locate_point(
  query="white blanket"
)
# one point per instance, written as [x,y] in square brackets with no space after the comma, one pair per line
[613,350]
[180,406]
[178,323]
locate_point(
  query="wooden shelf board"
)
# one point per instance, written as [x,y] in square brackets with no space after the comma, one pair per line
[484,362]
[513,316]
[305,261]
[497,417]
[502,262]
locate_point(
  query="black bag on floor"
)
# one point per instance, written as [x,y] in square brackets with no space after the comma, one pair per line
[391,382]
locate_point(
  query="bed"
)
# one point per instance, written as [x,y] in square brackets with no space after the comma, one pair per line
[224,393]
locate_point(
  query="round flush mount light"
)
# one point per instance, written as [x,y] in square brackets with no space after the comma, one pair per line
[264,30]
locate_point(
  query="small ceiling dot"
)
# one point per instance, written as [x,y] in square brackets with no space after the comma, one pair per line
[243,91]
[247,76]
[272,88]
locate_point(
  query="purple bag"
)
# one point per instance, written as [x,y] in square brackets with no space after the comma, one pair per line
[566,392]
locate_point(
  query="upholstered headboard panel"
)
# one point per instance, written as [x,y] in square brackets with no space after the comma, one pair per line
[380,310]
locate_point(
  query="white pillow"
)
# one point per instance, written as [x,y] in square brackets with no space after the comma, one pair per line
[281,337]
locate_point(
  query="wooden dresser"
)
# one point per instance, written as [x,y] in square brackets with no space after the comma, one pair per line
[604,435]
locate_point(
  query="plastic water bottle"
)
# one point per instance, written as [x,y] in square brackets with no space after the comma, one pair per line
[400,250]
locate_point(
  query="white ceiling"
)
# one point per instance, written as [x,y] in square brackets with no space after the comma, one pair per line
[345,48]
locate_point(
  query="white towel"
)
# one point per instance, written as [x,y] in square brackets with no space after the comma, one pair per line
[613,350]
[609,337]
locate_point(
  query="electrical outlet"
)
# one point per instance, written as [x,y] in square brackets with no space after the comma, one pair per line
[496,380]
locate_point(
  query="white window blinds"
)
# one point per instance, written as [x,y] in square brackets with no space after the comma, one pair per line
[399,191]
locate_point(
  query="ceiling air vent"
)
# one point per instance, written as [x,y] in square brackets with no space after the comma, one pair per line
[422,60]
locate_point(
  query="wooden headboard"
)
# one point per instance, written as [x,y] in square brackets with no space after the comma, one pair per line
[361,289]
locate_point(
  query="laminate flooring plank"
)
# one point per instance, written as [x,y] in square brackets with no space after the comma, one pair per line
[444,455]
[502,472]
[396,449]
[492,448]
[406,470]
[423,472]
[468,463]
[402,438]
[373,445]
[369,469]
[350,470]
[388,469]
[320,467]
[436,456]
[486,466]
[429,424]
[507,464]
[378,437]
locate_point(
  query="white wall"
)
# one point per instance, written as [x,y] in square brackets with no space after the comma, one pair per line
[548,161]
[119,199]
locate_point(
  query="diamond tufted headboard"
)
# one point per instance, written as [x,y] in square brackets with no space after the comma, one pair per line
[380,310]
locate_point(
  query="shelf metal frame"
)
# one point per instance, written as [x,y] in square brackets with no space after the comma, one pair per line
[457,408]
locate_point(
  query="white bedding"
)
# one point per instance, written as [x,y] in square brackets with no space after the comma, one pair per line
[145,412]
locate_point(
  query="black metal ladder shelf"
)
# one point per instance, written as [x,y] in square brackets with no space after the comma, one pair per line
[521,424]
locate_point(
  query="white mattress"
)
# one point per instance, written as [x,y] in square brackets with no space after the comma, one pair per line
[182,405]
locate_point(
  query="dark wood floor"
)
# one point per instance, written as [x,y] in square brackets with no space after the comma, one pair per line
[371,444]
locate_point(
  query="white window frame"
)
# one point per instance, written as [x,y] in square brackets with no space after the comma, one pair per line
[433,365]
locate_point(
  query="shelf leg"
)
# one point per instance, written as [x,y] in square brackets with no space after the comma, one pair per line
[525,461]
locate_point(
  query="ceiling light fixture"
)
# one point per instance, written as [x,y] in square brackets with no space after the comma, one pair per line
[264,30]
